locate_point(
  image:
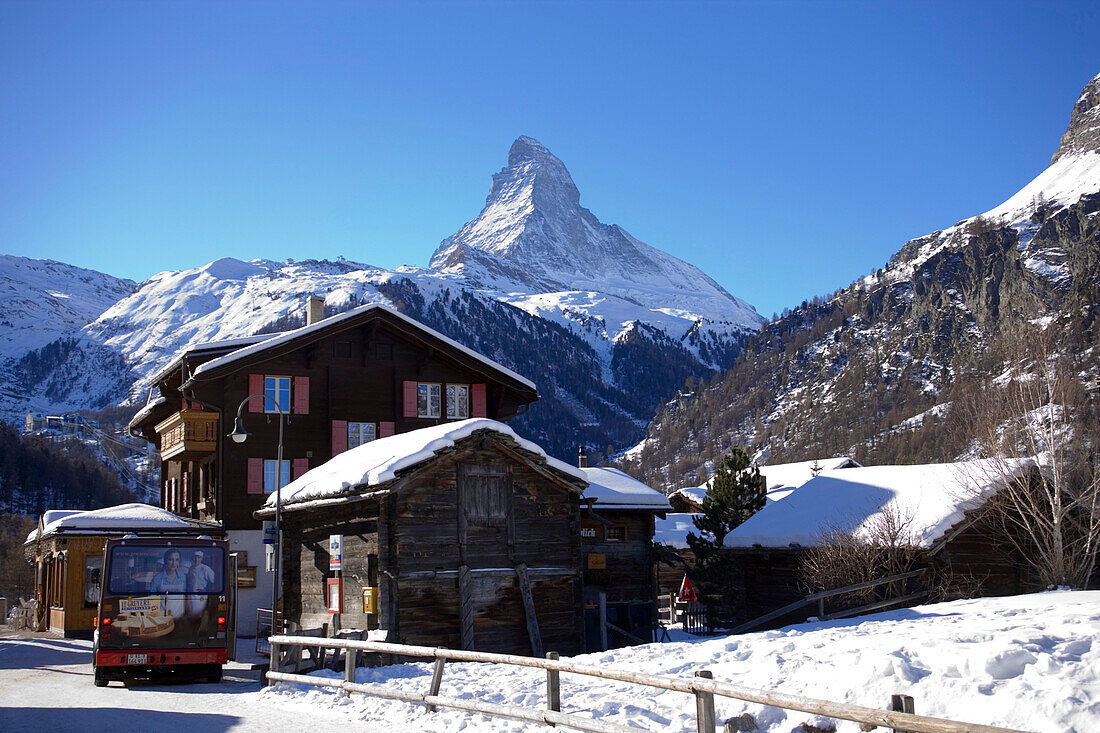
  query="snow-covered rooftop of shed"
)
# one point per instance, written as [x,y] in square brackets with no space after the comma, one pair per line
[673,530]
[780,478]
[114,519]
[611,488]
[379,460]
[304,330]
[929,499]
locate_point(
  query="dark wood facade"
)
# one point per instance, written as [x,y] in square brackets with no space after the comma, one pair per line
[618,554]
[355,369]
[477,548]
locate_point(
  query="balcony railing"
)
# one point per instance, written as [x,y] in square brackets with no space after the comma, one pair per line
[188,435]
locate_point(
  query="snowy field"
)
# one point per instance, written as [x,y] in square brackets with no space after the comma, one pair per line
[1030,663]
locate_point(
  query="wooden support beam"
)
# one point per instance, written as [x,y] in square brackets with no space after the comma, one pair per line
[529,610]
[466,608]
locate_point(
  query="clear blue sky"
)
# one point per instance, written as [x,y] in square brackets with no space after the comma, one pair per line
[785,148]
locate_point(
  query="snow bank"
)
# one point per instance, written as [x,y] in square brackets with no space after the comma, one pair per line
[930,498]
[1025,662]
[613,489]
[379,461]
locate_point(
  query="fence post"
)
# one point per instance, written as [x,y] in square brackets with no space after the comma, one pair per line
[704,705]
[351,656]
[273,664]
[671,609]
[901,704]
[603,622]
[437,680]
[553,686]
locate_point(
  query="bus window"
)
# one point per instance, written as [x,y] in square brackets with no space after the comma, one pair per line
[160,570]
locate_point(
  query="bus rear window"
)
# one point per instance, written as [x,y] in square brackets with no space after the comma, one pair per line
[161,570]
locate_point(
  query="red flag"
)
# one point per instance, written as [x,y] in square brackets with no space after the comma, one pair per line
[687,592]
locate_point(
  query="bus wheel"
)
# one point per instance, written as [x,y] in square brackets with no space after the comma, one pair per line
[99,677]
[215,675]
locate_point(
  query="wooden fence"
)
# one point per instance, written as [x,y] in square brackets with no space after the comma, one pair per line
[702,686]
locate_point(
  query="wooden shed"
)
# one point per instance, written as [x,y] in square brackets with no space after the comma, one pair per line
[67,550]
[936,510]
[465,534]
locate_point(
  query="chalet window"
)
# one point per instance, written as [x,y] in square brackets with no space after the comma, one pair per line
[341,349]
[458,401]
[485,493]
[616,533]
[269,475]
[360,432]
[384,352]
[427,400]
[278,389]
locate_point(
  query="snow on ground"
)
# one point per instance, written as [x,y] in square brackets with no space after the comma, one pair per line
[1030,663]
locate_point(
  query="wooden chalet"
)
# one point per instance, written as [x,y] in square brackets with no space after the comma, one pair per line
[459,535]
[362,375]
[67,551]
[940,510]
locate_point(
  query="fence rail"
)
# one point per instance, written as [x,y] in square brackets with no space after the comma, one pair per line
[703,688]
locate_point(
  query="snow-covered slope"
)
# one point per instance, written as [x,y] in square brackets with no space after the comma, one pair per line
[42,300]
[1024,662]
[605,341]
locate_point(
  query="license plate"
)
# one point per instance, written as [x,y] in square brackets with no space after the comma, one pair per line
[137,659]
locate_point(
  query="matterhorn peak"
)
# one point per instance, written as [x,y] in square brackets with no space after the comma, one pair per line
[534,235]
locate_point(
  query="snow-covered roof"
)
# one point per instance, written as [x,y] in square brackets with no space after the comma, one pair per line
[116,519]
[379,461]
[222,345]
[613,489]
[306,330]
[781,478]
[140,416]
[673,530]
[929,499]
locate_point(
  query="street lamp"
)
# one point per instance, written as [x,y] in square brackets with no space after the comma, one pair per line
[240,435]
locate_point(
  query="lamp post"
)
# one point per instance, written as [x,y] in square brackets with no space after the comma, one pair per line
[240,435]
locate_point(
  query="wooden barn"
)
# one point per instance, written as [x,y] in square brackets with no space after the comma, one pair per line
[935,511]
[460,535]
[67,550]
[617,526]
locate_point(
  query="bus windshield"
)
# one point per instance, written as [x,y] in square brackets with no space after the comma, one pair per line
[166,570]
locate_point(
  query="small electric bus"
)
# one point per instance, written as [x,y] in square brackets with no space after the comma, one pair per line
[165,606]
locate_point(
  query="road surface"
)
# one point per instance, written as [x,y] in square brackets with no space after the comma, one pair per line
[46,685]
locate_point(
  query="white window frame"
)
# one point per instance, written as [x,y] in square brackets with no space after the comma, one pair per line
[458,404]
[269,474]
[361,432]
[277,387]
[424,406]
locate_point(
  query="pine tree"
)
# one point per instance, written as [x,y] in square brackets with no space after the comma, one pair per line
[736,492]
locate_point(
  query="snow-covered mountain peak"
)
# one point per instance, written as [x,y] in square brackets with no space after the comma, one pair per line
[534,236]
[1083,133]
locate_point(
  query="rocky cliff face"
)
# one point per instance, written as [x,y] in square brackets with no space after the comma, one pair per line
[1083,134]
[872,371]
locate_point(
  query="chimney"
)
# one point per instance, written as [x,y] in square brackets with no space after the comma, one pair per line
[582,457]
[315,310]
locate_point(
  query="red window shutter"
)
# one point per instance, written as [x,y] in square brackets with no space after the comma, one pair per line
[410,399]
[301,395]
[339,437]
[256,386]
[298,467]
[385,429]
[477,401]
[255,475]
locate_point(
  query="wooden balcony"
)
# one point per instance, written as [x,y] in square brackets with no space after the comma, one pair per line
[188,435]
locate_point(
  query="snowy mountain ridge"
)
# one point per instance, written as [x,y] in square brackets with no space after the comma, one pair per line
[630,341]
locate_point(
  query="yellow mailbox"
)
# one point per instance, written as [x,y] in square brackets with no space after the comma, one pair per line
[370,600]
